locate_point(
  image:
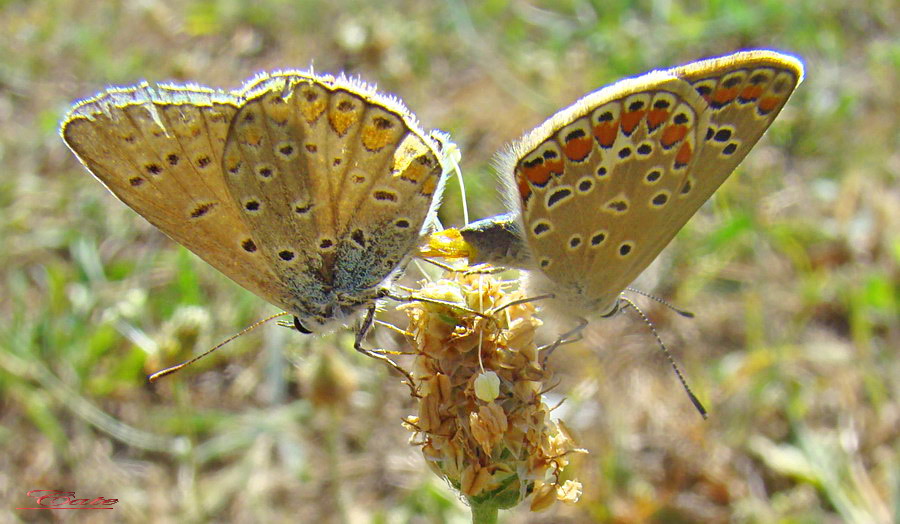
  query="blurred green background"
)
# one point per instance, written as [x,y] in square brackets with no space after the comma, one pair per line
[792,270]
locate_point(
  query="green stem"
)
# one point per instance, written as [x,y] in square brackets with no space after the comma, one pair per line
[333,483]
[484,512]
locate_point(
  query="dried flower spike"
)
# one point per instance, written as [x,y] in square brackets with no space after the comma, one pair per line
[482,422]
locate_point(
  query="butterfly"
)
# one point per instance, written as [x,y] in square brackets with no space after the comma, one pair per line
[311,191]
[601,187]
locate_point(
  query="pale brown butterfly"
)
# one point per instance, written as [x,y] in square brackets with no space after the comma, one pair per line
[601,187]
[311,191]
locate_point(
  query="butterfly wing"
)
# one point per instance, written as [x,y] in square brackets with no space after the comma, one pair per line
[335,183]
[604,185]
[594,183]
[745,92]
[159,150]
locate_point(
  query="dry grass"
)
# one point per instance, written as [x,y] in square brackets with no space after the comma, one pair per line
[793,272]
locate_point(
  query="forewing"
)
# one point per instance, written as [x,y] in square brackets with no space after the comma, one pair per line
[389,219]
[745,92]
[597,181]
[334,181]
[159,150]
[605,184]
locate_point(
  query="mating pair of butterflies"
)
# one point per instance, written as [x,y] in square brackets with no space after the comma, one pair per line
[314,191]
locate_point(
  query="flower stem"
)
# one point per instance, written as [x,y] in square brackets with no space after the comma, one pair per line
[484,512]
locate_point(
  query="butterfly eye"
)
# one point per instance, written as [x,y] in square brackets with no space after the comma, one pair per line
[300,327]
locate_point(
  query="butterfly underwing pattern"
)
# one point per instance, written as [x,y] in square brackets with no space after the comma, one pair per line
[311,191]
[599,189]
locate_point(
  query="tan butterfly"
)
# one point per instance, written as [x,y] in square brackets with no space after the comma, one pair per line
[600,188]
[311,191]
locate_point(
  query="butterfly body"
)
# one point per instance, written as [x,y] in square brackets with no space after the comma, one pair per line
[600,188]
[309,190]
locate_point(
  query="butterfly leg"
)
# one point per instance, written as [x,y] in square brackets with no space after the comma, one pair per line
[484,269]
[379,354]
[478,269]
[435,301]
[573,335]
[446,267]
[523,301]
[397,329]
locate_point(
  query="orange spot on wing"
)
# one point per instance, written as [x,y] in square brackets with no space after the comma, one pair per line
[631,119]
[428,186]
[656,117]
[555,167]
[414,172]
[538,174]
[524,188]
[684,155]
[577,149]
[768,104]
[341,122]
[251,136]
[278,111]
[751,92]
[672,135]
[192,131]
[724,95]
[606,133]
[374,138]
[313,110]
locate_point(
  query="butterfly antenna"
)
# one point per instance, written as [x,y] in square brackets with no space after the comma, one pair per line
[687,389]
[681,312]
[169,370]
